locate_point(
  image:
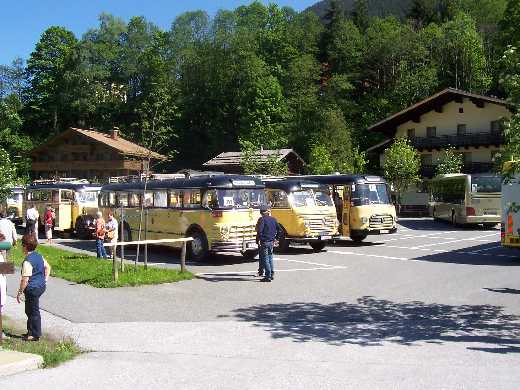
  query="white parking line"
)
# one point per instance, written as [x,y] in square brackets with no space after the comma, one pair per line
[304,262]
[453,241]
[487,249]
[430,235]
[370,255]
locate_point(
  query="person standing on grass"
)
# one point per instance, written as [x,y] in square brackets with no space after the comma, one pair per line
[35,274]
[100,236]
[112,230]
[48,220]
[267,232]
[8,233]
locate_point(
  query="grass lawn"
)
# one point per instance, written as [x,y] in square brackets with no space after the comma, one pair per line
[53,352]
[96,272]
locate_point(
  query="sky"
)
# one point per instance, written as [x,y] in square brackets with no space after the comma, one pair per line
[23,21]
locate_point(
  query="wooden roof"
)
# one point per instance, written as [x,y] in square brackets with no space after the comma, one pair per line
[434,102]
[118,143]
[234,158]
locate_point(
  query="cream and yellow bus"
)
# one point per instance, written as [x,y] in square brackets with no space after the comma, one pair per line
[510,227]
[13,205]
[304,210]
[72,203]
[220,212]
[464,199]
[363,204]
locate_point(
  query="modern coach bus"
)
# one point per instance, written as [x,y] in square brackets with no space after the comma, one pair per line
[466,199]
[510,227]
[220,212]
[305,211]
[363,204]
[72,204]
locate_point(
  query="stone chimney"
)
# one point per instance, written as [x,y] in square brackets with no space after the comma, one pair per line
[114,133]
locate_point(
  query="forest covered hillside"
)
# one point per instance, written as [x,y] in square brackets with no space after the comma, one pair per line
[381,8]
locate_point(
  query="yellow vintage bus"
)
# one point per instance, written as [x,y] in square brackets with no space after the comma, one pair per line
[510,226]
[72,204]
[304,210]
[464,199]
[220,212]
[363,204]
[13,205]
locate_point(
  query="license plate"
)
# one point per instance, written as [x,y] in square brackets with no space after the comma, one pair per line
[384,231]
[251,245]
[326,237]
[490,212]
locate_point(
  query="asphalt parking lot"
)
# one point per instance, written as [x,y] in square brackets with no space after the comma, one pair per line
[430,307]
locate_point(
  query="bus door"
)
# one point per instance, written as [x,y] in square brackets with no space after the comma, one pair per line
[64,212]
[345,218]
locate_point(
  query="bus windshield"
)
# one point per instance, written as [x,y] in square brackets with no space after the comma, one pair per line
[303,198]
[86,197]
[323,197]
[491,183]
[235,198]
[365,194]
[15,198]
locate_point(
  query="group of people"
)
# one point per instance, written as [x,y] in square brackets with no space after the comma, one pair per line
[32,216]
[105,232]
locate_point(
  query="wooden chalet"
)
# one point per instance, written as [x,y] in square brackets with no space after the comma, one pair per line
[229,162]
[89,154]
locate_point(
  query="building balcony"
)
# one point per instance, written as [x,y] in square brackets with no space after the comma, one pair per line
[457,141]
[429,171]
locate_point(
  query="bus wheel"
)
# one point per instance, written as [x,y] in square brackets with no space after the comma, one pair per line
[489,225]
[250,255]
[318,246]
[358,237]
[198,248]
[283,242]
[81,230]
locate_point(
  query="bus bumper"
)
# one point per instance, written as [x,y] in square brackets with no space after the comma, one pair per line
[483,219]
[370,232]
[306,240]
[233,246]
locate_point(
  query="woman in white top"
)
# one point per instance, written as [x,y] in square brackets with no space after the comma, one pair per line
[112,230]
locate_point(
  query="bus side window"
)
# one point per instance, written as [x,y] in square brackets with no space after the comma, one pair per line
[44,196]
[134,199]
[211,199]
[122,199]
[148,199]
[112,199]
[175,199]
[191,199]
[67,195]
[55,196]
[160,199]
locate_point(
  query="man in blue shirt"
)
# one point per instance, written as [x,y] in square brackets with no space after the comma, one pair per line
[266,234]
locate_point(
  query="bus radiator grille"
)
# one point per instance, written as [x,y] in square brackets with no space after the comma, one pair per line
[384,221]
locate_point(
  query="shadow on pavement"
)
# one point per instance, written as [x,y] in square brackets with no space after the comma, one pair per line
[484,254]
[352,244]
[438,225]
[371,321]
[504,290]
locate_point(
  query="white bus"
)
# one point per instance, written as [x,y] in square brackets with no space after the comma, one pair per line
[464,199]
[510,228]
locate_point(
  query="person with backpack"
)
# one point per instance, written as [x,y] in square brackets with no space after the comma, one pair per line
[267,232]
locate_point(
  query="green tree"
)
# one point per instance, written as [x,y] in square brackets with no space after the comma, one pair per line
[401,166]
[360,15]
[46,94]
[7,175]
[509,25]
[320,161]
[450,162]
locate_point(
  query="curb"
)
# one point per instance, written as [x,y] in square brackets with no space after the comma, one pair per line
[13,362]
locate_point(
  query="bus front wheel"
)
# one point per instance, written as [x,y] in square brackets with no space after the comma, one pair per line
[358,237]
[317,246]
[250,255]
[283,242]
[82,231]
[198,248]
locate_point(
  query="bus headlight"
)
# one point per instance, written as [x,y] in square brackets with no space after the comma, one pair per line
[364,220]
[224,232]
